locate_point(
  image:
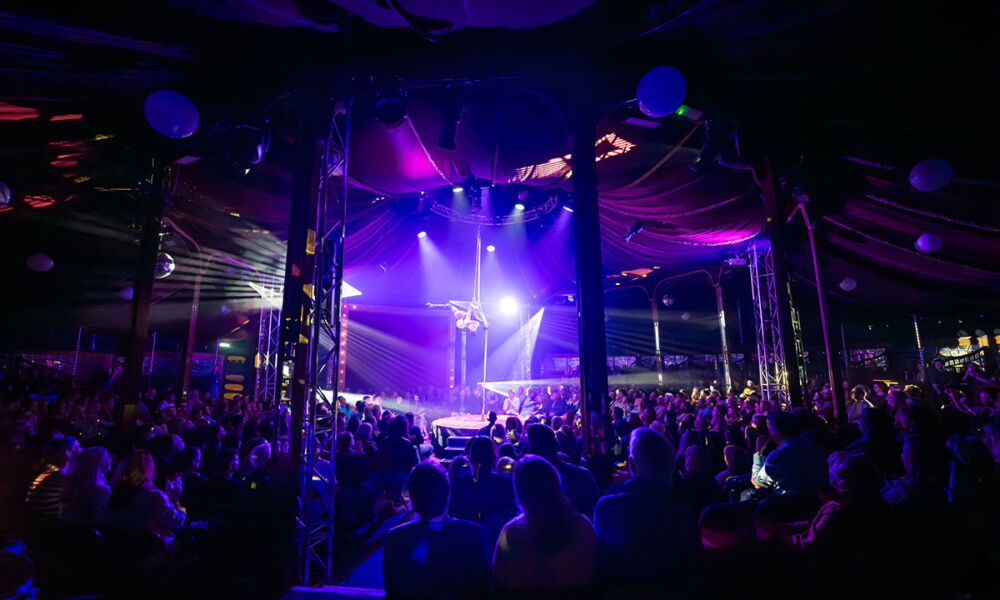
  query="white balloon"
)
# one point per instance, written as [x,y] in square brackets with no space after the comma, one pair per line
[848,283]
[40,262]
[660,91]
[931,175]
[928,243]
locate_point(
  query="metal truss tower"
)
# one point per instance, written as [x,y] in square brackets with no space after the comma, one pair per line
[770,352]
[267,339]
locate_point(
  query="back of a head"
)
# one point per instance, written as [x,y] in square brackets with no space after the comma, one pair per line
[85,472]
[492,417]
[397,427]
[854,473]
[429,490]
[260,455]
[345,441]
[364,432]
[542,440]
[505,465]
[783,423]
[56,451]
[651,455]
[225,460]
[482,453]
[537,486]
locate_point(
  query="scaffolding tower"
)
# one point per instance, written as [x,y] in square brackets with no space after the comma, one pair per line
[267,338]
[770,352]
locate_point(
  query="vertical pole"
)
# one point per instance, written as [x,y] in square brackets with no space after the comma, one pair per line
[293,350]
[464,357]
[776,235]
[921,364]
[187,359]
[486,352]
[76,355]
[135,347]
[589,278]
[843,344]
[152,361]
[836,383]
[720,306]
[657,349]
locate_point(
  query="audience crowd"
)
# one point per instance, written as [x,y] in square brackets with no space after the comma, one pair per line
[700,493]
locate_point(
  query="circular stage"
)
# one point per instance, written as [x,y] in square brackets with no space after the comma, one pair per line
[462,426]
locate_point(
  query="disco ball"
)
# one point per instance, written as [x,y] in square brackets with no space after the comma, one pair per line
[667,300]
[164,266]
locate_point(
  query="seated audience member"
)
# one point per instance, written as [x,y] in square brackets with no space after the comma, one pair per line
[856,522]
[193,483]
[44,492]
[85,493]
[352,467]
[577,483]
[646,535]
[491,421]
[222,487]
[697,484]
[738,462]
[549,546]
[435,557]
[796,465]
[395,452]
[137,504]
[485,497]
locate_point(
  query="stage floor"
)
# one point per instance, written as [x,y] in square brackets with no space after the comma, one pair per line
[466,424]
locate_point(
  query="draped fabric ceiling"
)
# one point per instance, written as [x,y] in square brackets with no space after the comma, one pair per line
[862,90]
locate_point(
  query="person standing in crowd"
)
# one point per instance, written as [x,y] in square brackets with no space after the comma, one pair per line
[577,483]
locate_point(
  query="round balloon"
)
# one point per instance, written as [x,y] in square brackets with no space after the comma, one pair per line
[848,283]
[171,114]
[126,293]
[660,91]
[928,243]
[931,175]
[4,194]
[667,300]
[40,262]
[686,316]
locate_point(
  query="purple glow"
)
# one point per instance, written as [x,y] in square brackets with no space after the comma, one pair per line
[422,234]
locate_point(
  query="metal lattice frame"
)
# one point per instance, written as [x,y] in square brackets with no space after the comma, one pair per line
[267,339]
[315,519]
[770,352]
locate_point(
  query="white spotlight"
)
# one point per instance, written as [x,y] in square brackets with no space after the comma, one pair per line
[508,305]
[491,248]
[458,189]
[422,234]
[518,206]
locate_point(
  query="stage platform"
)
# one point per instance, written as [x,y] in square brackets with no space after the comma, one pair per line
[458,428]
[333,592]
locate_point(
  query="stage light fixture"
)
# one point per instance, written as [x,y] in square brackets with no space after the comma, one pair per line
[491,248]
[451,116]
[422,234]
[567,208]
[667,300]
[518,206]
[458,189]
[508,305]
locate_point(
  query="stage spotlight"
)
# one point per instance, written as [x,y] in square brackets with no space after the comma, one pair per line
[491,248]
[391,110]
[458,189]
[508,305]
[422,234]
[567,208]
[518,206]
[634,230]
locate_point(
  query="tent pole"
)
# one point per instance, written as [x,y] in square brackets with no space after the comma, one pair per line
[589,277]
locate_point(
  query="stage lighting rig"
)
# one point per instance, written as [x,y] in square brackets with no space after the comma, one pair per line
[390,109]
